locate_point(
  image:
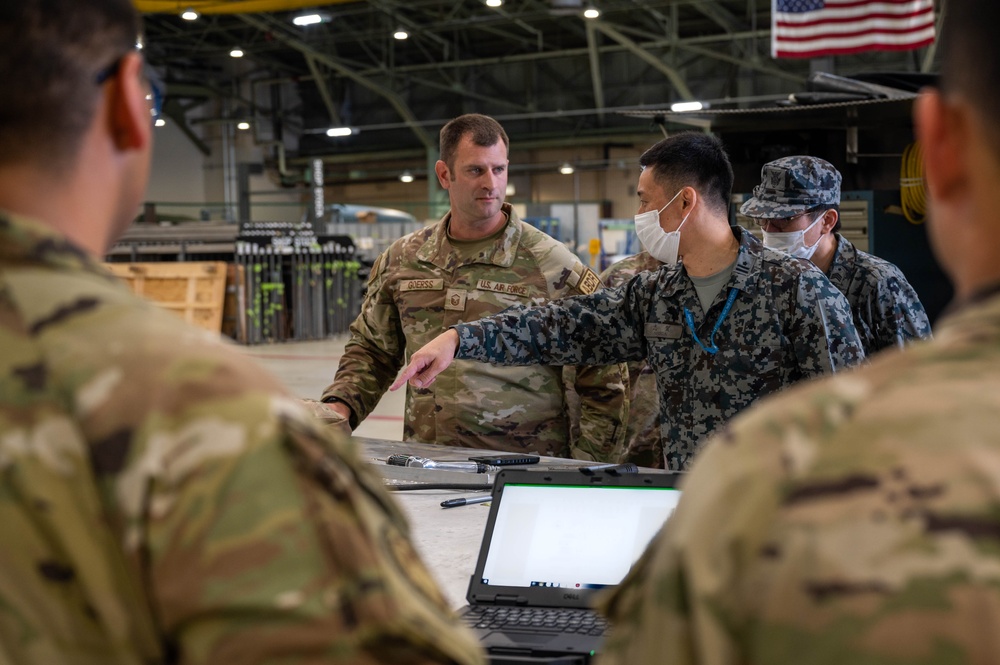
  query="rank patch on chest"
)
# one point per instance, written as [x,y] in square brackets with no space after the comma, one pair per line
[454,300]
[421,285]
[501,287]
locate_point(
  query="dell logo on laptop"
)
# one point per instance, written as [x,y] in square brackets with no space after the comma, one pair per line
[571,596]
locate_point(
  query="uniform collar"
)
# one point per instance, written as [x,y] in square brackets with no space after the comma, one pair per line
[842,266]
[26,241]
[438,251]
[747,261]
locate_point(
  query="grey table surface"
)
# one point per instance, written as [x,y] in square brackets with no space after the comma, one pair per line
[447,539]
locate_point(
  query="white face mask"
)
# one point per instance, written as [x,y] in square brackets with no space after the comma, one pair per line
[793,242]
[661,245]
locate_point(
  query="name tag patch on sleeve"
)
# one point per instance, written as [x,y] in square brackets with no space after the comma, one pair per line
[590,282]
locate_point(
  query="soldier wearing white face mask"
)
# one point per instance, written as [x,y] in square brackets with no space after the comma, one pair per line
[797,207]
[724,322]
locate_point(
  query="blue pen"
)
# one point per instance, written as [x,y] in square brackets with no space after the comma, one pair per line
[454,503]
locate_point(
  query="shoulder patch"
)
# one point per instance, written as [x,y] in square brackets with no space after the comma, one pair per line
[376,267]
[589,282]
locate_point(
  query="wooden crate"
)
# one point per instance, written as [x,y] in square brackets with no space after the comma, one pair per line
[195,290]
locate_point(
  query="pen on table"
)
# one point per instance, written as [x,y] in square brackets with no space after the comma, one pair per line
[454,503]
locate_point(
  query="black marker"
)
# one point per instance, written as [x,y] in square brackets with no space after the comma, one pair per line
[454,503]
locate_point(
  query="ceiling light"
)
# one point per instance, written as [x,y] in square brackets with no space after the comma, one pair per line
[307,19]
[339,131]
[591,12]
[494,3]
[681,107]
[243,124]
[400,34]
[189,14]
[406,177]
[160,122]
[566,168]
[237,52]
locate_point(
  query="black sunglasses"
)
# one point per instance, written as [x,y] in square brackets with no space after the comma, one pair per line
[155,83]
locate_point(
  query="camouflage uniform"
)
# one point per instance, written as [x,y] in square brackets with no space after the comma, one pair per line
[418,288]
[847,521]
[642,434]
[163,500]
[787,323]
[886,309]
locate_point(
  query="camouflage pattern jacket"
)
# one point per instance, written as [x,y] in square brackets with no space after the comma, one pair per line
[787,322]
[418,288]
[886,309]
[852,520]
[164,501]
[643,445]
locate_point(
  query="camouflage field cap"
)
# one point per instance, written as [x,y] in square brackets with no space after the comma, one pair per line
[791,185]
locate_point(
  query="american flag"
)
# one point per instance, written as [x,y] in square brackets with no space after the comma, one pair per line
[812,28]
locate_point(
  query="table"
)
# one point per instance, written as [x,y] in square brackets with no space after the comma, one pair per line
[448,539]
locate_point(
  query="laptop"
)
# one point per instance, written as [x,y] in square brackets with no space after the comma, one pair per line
[553,540]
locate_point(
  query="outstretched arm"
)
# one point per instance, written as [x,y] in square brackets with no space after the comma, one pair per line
[429,361]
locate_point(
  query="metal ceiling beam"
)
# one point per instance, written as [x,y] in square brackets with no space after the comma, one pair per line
[324,92]
[228,6]
[646,56]
[348,72]
[719,15]
[743,62]
[595,70]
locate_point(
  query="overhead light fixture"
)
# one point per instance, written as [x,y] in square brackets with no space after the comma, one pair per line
[307,19]
[237,52]
[681,107]
[566,168]
[401,33]
[511,189]
[591,12]
[159,122]
[494,3]
[189,14]
[243,124]
[406,176]
[339,131]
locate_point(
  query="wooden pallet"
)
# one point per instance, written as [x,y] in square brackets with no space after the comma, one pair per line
[194,290]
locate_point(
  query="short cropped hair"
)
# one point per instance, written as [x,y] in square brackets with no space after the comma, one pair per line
[970,58]
[484,131]
[692,159]
[52,53]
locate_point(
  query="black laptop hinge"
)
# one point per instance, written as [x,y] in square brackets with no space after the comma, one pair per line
[510,600]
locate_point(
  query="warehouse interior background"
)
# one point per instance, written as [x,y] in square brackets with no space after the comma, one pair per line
[333,121]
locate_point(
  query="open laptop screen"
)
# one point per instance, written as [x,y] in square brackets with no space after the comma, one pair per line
[572,536]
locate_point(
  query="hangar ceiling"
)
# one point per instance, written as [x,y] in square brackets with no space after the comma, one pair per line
[552,76]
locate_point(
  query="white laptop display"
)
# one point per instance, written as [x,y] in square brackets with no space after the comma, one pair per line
[552,541]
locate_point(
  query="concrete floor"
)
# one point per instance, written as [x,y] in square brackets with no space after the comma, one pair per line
[308,367]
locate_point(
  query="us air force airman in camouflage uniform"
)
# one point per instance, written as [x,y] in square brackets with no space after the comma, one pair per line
[161,499]
[797,206]
[434,278]
[764,321]
[855,520]
[643,445]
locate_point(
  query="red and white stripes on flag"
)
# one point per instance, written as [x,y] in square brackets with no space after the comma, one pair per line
[812,28]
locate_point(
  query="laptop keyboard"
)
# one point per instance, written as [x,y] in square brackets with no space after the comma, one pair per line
[563,620]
